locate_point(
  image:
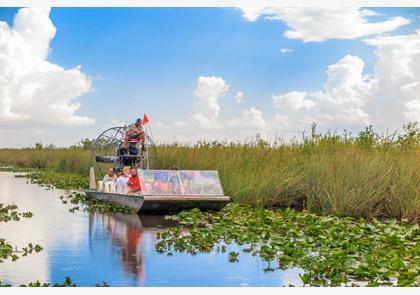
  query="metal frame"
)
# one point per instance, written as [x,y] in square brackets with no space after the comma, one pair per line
[114,140]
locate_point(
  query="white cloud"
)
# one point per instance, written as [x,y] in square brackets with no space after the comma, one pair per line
[320,24]
[34,91]
[251,118]
[113,122]
[206,122]
[412,110]
[238,96]
[398,74]
[162,125]
[341,103]
[294,100]
[206,109]
[180,123]
[349,99]
[286,50]
[387,99]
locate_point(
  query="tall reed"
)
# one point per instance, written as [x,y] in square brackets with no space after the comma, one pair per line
[365,176]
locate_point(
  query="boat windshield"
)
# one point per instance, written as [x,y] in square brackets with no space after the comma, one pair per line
[180,182]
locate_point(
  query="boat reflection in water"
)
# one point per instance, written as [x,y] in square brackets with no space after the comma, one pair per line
[129,235]
[118,249]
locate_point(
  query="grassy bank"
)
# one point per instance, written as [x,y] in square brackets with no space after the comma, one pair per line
[368,175]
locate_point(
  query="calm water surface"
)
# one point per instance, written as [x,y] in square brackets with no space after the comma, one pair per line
[118,249]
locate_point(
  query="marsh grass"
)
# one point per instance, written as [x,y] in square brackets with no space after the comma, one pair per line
[368,175]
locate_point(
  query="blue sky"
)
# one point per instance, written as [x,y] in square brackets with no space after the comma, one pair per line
[149,59]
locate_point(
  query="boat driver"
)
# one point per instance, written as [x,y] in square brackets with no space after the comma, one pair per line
[134,134]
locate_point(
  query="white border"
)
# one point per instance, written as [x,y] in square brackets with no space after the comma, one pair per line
[210,3]
[212,291]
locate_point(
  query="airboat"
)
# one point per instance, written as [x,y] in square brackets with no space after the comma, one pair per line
[162,191]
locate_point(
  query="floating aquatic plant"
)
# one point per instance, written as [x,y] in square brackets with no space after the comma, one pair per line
[68,282]
[73,181]
[332,250]
[10,213]
[50,179]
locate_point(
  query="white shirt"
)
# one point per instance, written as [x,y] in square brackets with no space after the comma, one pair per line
[123,179]
[121,183]
[108,178]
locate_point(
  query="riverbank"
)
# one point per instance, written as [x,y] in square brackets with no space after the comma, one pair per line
[369,176]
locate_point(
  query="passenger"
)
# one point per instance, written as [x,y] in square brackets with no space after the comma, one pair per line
[134,183]
[110,176]
[122,180]
[126,171]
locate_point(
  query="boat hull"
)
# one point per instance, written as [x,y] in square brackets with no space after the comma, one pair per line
[133,202]
[173,204]
[160,204]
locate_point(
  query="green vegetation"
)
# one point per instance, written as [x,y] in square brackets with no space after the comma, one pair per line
[52,179]
[7,251]
[368,175]
[64,160]
[68,282]
[10,213]
[58,180]
[332,250]
[340,184]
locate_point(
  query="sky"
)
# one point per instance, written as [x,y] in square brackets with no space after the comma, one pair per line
[205,73]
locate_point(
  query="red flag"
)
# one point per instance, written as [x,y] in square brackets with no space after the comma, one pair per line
[145,119]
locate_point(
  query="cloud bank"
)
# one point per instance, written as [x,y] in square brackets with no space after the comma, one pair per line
[34,91]
[387,99]
[320,24]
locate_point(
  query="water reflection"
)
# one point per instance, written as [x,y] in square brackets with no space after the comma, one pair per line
[118,249]
[126,233]
[51,224]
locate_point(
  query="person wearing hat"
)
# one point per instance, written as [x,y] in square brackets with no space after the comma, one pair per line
[132,135]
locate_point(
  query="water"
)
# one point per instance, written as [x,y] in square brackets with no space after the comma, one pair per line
[115,248]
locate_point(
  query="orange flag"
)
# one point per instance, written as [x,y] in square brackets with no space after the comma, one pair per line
[145,119]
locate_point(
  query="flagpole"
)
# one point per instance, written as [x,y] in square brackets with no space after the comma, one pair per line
[147,127]
[151,134]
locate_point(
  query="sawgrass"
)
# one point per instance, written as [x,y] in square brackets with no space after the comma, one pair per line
[365,176]
[340,179]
